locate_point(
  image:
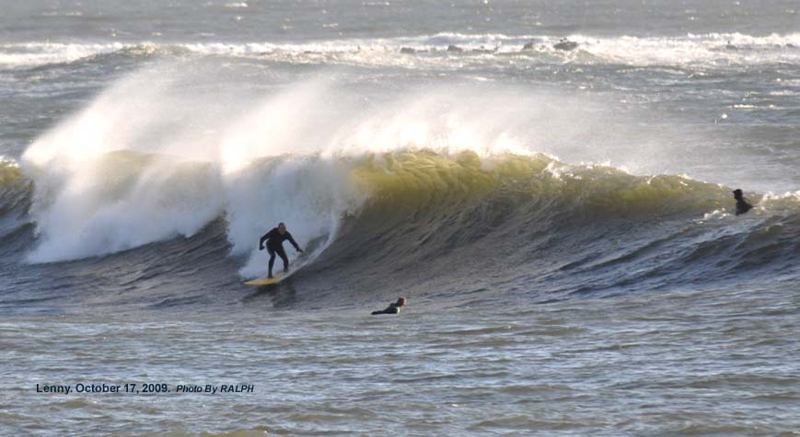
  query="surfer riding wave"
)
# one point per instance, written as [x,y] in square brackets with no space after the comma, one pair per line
[275,239]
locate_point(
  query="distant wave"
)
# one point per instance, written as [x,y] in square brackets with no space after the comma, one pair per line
[707,50]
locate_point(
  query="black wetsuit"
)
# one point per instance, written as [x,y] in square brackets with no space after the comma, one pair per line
[742,206]
[393,309]
[275,240]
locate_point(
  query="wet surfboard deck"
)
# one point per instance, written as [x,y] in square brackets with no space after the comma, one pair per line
[263,281]
[260,282]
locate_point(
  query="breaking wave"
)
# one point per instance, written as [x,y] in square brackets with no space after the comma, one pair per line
[422,194]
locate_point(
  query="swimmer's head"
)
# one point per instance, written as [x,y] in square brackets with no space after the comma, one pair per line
[401,302]
[737,193]
[281,228]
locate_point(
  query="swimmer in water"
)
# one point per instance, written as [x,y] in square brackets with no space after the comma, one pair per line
[742,205]
[394,308]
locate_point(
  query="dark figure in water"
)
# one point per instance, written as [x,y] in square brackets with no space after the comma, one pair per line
[275,239]
[394,308]
[742,205]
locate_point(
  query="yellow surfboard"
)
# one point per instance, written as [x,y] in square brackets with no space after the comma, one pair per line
[263,281]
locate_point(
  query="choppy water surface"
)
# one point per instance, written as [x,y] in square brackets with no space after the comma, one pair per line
[549,183]
[678,363]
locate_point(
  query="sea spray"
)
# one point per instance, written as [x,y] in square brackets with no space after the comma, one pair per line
[162,153]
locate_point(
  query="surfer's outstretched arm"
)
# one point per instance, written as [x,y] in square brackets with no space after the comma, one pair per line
[294,243]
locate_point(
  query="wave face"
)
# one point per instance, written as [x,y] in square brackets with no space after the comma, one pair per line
[417,222]
[540,227]
[15,199]
[156,192]
[161,153]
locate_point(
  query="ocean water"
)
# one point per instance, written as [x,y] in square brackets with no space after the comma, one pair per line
[547,183]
